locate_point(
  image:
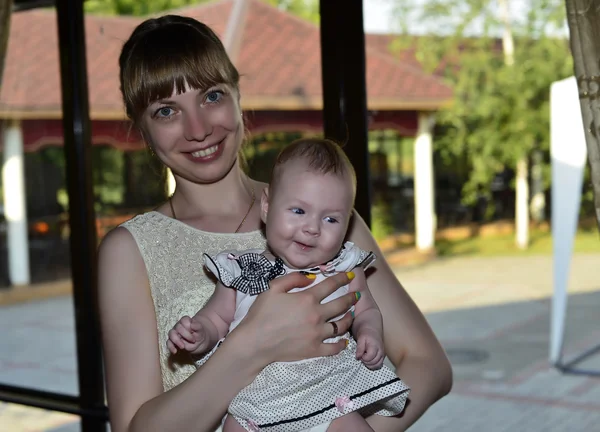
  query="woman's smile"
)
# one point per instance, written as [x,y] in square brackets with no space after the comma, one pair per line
[207,154]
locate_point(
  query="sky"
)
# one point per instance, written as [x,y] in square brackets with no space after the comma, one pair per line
[377,16]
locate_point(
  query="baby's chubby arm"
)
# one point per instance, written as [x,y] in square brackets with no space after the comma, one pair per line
[208,326]
[217,314]
[367,327]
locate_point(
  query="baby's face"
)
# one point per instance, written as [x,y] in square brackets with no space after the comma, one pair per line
[307,216]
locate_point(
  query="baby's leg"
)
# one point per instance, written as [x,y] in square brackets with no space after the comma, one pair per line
[231,425]
[350,422]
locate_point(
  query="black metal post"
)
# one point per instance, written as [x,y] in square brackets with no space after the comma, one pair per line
[344,89]
[77,145]
[49,401]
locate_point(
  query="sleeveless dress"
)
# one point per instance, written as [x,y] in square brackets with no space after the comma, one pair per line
[179,282]
[304,395]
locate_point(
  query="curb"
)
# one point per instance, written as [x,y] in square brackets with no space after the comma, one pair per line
[35,292]
[409,257]
[42,291]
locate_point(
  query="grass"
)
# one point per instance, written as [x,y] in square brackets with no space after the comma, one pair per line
[586,241]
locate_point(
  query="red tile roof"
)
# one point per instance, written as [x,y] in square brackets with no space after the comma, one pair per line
[279,60]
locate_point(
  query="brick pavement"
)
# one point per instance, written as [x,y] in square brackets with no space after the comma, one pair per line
[491,314]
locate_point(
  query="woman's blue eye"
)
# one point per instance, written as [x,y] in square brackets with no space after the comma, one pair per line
[164,112]
[214,96]
[331,220]
[298,211]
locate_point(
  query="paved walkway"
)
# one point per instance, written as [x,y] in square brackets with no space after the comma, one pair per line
[491,314]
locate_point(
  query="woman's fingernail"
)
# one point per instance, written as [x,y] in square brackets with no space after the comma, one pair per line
[350,275]
[346,341]
[357,295]
[352,313]
[311,276]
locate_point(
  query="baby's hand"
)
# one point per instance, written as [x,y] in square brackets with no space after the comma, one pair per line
[369,349]
[187,335]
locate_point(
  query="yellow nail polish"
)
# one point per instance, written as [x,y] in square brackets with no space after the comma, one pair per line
[350,275]
[346,341]
[311,276]
[357,295]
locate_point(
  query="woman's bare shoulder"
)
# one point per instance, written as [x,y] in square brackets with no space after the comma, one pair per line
[119,252]
[117,239]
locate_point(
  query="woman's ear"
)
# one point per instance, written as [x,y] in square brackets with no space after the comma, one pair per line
[264,204]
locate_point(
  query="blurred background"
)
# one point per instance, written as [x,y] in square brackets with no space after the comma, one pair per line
[458,97]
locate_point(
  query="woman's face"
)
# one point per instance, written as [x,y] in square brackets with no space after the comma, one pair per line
[197,133]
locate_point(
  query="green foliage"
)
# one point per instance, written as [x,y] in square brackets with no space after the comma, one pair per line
[306,9]
[500,112]
[382,224]
[107,175]
[586,242]
[122,181]
[135,7]
[261,151]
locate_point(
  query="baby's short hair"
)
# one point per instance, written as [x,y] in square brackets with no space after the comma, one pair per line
[322,155]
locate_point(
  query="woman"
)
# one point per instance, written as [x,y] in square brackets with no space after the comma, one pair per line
[182,92]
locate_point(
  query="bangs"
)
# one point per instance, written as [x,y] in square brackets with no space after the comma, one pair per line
[167,60]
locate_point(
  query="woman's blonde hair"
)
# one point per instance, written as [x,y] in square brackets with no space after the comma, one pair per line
[164,54]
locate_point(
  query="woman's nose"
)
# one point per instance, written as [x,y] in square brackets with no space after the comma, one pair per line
[197,127]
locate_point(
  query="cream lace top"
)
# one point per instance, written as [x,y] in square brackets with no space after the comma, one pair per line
[179,283]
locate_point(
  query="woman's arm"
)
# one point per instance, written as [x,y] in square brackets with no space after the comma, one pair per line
[279,327]
[134,382]
[409,341]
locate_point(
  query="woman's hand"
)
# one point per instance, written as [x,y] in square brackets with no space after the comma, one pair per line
[283,326]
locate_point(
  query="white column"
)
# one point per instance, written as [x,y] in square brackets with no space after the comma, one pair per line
[569,153]
[425,221]
[522,204]
[13,181]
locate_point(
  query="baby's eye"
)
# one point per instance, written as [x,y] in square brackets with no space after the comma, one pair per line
[331,220]
[298,211]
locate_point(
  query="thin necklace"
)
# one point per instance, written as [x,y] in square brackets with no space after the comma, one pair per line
[241,223]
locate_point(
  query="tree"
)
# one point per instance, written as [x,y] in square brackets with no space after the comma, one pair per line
[501,69]
[307,9]
[135,7]
[584,23]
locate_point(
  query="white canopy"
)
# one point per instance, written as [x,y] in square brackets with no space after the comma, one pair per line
[569,154]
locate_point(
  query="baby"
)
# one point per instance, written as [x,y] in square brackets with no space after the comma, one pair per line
[306,209]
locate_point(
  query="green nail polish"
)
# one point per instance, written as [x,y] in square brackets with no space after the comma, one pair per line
[352,313]
[357,295]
